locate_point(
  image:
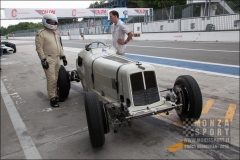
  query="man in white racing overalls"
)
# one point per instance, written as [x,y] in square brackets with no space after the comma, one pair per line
[50,52]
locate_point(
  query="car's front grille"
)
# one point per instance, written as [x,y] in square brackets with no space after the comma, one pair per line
[139,98]
[152,95]
[143,96]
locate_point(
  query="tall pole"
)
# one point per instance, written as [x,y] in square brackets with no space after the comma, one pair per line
[209,8]
[205,9]
[94,17]
[223,6]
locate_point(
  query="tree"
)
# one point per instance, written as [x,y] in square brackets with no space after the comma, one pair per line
[158,4]
[94,4]
[20,26]
[3,31]
[102,1]
[234,4]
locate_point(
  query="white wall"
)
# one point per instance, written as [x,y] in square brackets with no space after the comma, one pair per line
[223,36]
[135,28]
[221,23]
[168,26]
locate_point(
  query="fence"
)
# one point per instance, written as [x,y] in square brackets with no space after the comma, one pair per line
[217,23]
[222,15]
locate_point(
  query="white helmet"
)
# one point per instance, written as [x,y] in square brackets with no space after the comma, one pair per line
[50,21]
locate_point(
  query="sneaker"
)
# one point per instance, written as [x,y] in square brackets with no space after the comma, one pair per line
[59,99]
[53,102]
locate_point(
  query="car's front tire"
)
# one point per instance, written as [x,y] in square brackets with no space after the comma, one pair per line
[94,119]
[189,95]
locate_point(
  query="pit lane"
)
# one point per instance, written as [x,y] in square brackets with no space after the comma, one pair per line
[62,132]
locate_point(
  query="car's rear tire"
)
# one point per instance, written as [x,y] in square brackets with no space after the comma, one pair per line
[189,94]
[94,119]
[63,84]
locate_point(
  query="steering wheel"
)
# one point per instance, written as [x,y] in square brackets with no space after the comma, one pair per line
[98,42]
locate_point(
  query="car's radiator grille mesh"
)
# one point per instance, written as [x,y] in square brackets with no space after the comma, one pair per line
[145,97]
[152,95]
[139,98]
[117,59]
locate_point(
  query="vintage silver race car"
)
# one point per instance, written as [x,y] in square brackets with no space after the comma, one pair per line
[119,90]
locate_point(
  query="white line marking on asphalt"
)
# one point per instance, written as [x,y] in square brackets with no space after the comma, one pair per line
[190,49]
[71,49]
[213,73]
[195,70]
[26,142]
[228,65]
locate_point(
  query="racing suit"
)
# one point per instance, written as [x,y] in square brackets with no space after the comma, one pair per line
[49,47]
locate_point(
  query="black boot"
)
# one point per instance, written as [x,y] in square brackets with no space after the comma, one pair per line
[59,99]
[53,102]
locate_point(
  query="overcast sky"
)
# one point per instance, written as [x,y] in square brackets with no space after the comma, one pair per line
[39,4]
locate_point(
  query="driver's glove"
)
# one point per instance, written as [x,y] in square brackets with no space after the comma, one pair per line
[44,63]
[64,60]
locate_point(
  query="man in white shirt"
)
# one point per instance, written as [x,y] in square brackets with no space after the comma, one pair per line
[118,34]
